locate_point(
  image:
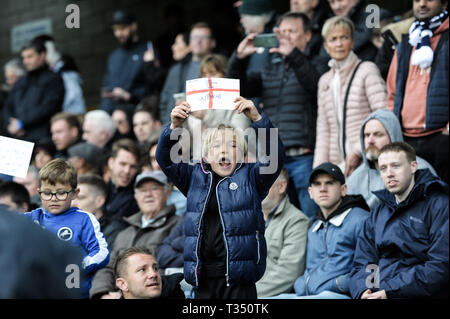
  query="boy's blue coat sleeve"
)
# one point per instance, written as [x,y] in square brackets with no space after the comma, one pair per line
[94,243]
[178,173]
[265,179]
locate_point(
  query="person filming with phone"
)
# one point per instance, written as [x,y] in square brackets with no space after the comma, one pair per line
[287,83]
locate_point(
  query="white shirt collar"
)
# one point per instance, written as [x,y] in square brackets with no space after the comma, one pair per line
[336,220]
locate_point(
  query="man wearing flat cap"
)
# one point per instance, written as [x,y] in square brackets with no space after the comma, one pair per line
[85,157]
[147,228]
[123,84]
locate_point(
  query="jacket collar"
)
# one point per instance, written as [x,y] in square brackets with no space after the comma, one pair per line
[281,206]
[159,220]
[425,184]
[345,67]
[336,220]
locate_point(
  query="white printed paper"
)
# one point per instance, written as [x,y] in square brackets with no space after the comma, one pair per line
[212,93]
[15,156]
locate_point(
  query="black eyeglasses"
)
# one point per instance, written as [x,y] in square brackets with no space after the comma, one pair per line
[60,195]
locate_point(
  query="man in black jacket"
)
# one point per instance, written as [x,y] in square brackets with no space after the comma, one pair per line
[287,84]
[35,98]
[123,83]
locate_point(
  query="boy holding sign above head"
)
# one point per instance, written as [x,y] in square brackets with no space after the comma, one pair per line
[215,66]
[225,250]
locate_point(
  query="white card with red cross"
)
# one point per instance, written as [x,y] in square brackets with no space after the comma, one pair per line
[212,93]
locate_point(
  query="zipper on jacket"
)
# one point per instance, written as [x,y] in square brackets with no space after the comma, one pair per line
[306,285]
[227,275]
[199,226]
[326,252]
[257,242]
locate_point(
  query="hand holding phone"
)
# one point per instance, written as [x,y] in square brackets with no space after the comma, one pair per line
[267,41]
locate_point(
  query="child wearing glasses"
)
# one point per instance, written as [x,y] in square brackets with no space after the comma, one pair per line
[57,189]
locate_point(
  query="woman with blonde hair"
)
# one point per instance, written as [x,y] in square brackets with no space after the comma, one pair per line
[347,94]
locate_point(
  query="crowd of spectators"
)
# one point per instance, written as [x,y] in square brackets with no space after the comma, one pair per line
[362,114]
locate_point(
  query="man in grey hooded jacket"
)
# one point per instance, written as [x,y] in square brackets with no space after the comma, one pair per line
[379,128]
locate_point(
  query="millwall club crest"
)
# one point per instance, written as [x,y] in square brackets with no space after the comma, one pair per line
[65,233]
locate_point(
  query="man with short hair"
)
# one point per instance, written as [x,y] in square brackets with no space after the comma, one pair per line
[331,237]
[318,12]
[417,84]
[35,97]
[99,128]
[402,250]
[287,84]
[15,196]
[146,228]
[66,131]
[92,198]
[124,166]
[137,276]
[146,124]
[378,129]
[286,234]
[201,43]
[123,84]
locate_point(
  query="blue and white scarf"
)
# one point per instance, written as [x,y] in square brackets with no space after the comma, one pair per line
[420,33]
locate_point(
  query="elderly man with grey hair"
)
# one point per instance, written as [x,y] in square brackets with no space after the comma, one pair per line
[99,128]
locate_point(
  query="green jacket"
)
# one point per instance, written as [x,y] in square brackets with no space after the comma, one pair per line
[286,235]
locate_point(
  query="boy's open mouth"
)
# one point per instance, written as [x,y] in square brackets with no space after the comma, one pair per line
[225,162]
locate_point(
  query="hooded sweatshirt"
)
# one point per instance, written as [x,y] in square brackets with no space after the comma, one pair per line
[366,178]
[330,248]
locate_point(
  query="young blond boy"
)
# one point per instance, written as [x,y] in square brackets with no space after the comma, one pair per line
[57,189]
[225,250]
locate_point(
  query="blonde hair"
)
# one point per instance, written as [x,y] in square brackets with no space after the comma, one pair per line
[212,133]
[338,21]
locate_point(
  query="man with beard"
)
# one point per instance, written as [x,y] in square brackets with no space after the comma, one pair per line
[123,83]
[379,129]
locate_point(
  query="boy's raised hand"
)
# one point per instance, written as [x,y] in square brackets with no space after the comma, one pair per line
[248,108]
[179,114]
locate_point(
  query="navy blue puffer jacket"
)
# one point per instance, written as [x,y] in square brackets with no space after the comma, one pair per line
[239,199]
[407,242]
